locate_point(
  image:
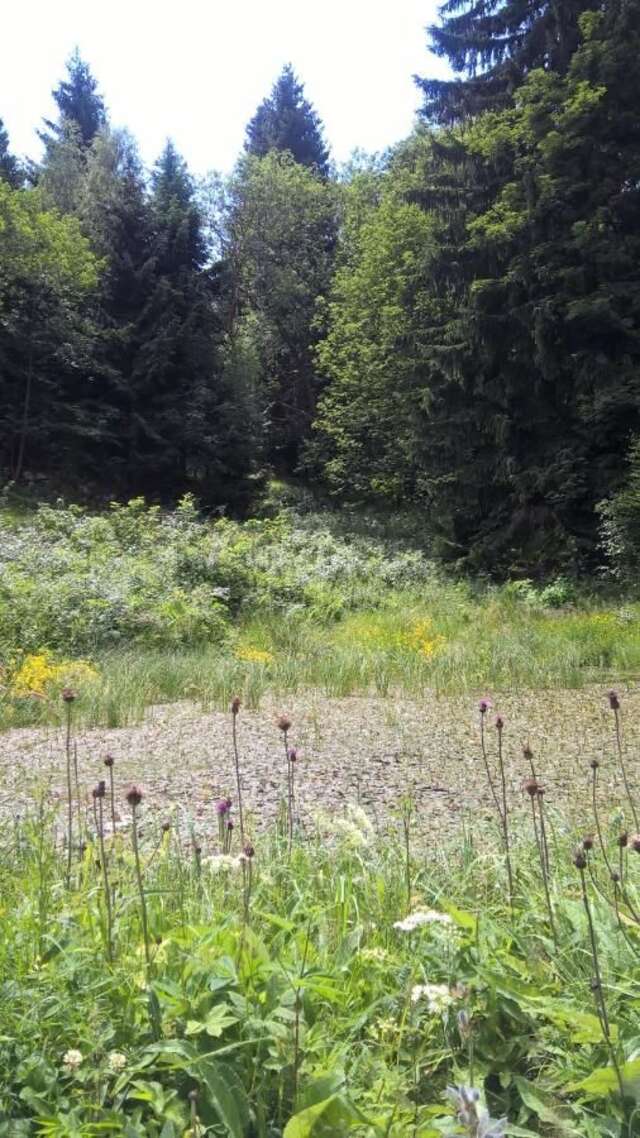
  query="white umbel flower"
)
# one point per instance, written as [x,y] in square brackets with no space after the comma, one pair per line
[422,917]
[438,997]
[116,1062]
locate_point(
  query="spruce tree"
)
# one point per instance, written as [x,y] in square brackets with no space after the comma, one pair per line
[78,102]
[9,166]
[287,121]
[494,45]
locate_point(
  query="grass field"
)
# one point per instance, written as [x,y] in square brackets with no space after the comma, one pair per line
[139,607]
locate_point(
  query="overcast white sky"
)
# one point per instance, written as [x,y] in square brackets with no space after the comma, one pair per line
[195,70]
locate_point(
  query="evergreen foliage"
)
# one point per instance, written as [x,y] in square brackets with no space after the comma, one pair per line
[78,102]
[286,121]
[9,167]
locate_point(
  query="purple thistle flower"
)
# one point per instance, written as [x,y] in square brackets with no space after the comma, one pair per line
[484,705]
[223,806]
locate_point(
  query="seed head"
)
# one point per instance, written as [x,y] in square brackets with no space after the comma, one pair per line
[284,723]
[100,789]
[230,825]
[594,764]
[134,796]
[587,842]
[166,826]
[499,723]
[580,859]
[235,705]
[293,754]
[531,786]
[68,695]
[614,702]
[615,877]
[623,839]
[248,850]
[109,760]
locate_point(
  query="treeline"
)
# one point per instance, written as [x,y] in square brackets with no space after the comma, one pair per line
[454,327]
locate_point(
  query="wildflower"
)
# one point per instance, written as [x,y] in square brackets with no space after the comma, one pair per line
[109,760]
[375,955]
[587,842]
[284,723]
[594,764]
[355,826]
[235,705]
[531,786]
[438,996]
[614,701]
[223,806]
[220,863]
[484,705]
[166,826]
[499,723]
[116,1061]
[134,796]
[248,850]
[68,695]
[527,753]
[422,917]
[254,656]
[469,1113]
[580,859]
[100,790]
[623,840]
[71,1060]
[293,754]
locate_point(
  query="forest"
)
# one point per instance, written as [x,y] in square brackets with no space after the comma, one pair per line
[450,328]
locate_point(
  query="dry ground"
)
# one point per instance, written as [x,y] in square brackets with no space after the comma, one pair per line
[370,750]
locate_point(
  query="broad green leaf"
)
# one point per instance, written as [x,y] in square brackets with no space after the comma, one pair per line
[327,1119]
[541,1103]
[223,1091]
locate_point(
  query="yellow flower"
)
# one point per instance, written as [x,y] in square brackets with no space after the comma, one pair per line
[38,674]
[254,655]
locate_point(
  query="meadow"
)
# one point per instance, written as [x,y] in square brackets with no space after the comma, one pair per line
[146,607]
[427,921]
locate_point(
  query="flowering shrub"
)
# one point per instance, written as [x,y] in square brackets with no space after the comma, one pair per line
[38,674]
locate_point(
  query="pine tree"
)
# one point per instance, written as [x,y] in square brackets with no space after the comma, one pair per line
[78,102]
[187,430]
[287,121]
[495,44]
[9,166]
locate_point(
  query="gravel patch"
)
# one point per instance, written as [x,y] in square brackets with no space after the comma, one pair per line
[361,749]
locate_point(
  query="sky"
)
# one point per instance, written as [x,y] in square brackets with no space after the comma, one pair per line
[195,70]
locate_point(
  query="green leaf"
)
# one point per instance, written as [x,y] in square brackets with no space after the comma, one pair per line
[226,1095]
[603,1081]
[326,1119]
[540,1103]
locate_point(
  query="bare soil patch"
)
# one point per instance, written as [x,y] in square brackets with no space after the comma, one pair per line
[360,749]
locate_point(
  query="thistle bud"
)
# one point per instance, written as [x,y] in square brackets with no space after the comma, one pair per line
[134,796]
[235,705]
[531,786]
[587,842]
[484,705]
[68,695]
[614,702]
[594,764]
[284,723]
[248,850]
[499,723]
[293,755]
[623,839]
[108,760]
[580,859]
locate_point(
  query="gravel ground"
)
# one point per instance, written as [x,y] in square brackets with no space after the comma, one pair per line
[367,750]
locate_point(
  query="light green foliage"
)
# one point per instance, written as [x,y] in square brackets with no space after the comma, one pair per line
[371,410]
[169,606]
[39,247]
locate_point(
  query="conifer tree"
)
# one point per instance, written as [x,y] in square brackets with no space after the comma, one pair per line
[287,121]
[9,166]
[78,102]
[494,45]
